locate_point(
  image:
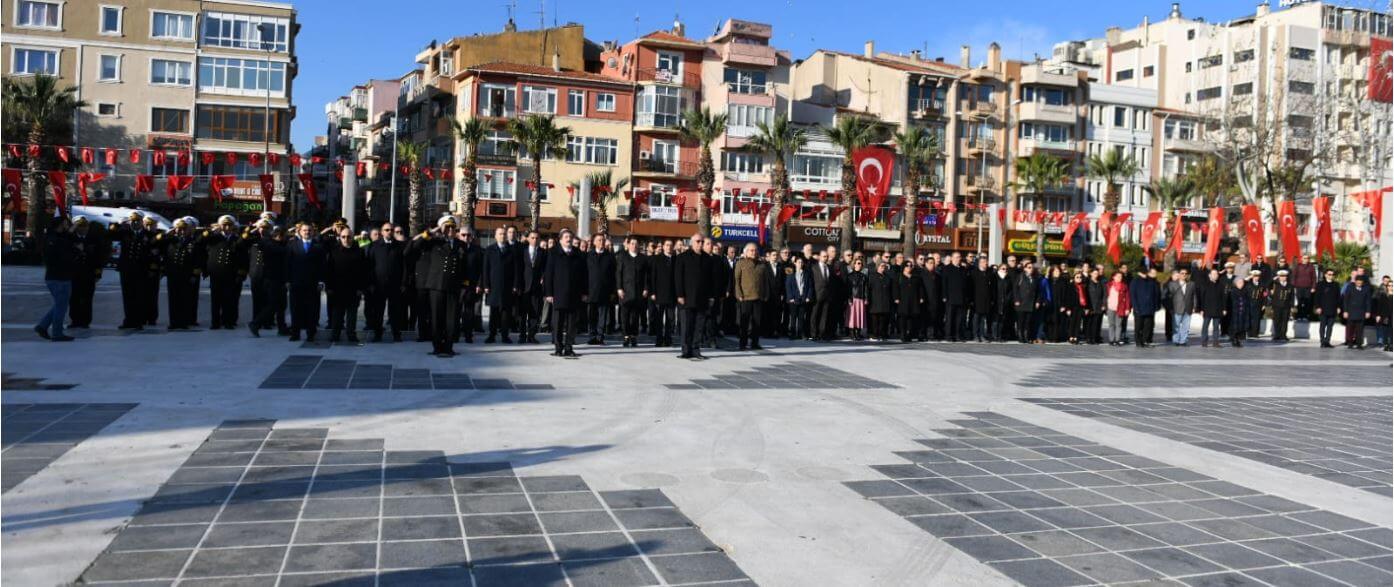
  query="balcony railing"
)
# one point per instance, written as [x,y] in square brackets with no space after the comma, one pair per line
[980,182]
[667,167]
[658,120]
[746,176]
[665,76]
[980,143]
[926,108]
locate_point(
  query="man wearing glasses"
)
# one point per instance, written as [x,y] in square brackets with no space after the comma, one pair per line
[387,283]
[1327,303]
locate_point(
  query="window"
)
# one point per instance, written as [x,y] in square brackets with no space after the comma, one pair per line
[746,116]
[229,75]
[1120,117]
[664,157]
[1211,61]
[1123,75]
[1243,56]
[742,162]
[1050,133]
[166,72]
[232,123]
[1188,67]
[1047,96]
[246,31]
[1209,93]
[1190,34]
[745,81]
[34,61]
[107,109]
[109,68]
[36,14]
[170,25]
[1180,129]
[1243,89]
[592,150]
[576,103]
[170,120]
[497,143]
[983,93]
[1148,70]
[1298,87]
[111,20]
[669,66]
[538,100]
[605,102]
[1301,54]
[818,169]
[496,100]
[495,184]
[661,106]
[170,166]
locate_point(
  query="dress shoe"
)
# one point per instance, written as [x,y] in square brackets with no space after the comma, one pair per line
[42,332]
[213,327]
[353,337]
[489,340]
[251,326]
[756,347]
[396,337]
[295,337]
[507,340]
[63,338]
[310,337]
[570,354]
[377,336]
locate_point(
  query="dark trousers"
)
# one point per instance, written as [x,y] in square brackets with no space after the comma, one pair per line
[980,326]
[182,295]
[343,310]
[598,315]
[258,295]
[224,291]
[389,301]
[135,288]
[1328,323]
[1144,325]
[906,322]
[878,324]
[1096,327]
[661,322]
[1076,321]
[80,303]
[749,321]
[152,301]
[467,319]
[530,314]
[565,323]
[1024,332]
[1255,321]
[422,305]
[1304,304]
[445,310]
[629,317]
[1280,323]
[798,320]
[1355,331]
[500,320]
[818,320]
[954,330]
[304,308]
[1170,325]
[273,308]
[691,324]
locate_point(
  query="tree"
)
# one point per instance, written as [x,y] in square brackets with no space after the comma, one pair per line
[410,154]
[704,128]
[470,134]
[850,133]
[917,147]
[1035,175]
[1171,194]
[42,112]
[603,191]
[1212,181]
[539,137]
[1111,167]
[779,140]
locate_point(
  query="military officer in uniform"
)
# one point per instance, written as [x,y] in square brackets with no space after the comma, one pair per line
[1258,300]
[92,252]
[183,269]
[137,269]
[445,254]
[268,252]
[152,294]
[227,267]
[1282,297]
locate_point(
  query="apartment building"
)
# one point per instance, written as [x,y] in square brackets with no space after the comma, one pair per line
[359,125]
[1120,119]
[211,75]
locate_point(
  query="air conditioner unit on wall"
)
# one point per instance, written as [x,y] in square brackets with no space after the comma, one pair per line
[643,154]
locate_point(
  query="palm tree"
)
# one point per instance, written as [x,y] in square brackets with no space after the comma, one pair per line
[1171,194]
[470,135]
[1036,175]
[602,193]
[779,140]
[850,133]
[410,155]
[42,112]
[1212,181]
[539,137]
[703,127]
[1111,167]
[917,147]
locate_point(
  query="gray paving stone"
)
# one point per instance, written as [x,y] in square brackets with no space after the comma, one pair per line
[331,557]
[509,550]
[653,519]
[423,553]
[235,561]
[541,575]
[612,544]
[1108,568]
[1172,561]
[253,534]
[420,528]
[130,566]
[991,548]
[625,572]
[695,568]
[501,525]
[1041,573]
[326,531]
[158,537]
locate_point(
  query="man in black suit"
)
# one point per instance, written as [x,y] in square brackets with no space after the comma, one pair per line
[773,312]
[305,259]
[565,287]
[419,266]
[468,315]
[600,269]
[447,257]
[631,285]
[953,280]
[500,282]
[719,285]
[822,297]
[933,315]
[386,255]
[533,267]
[691,271]
[663,294]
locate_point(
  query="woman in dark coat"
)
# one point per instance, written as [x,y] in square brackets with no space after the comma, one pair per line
[1065,305]
[1240,305]
[1074,301]
[857,286]
[910,300]
[880,300]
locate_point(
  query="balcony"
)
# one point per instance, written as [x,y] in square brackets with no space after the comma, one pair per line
[665,168]
[658,121]
[980,183]
[1042,112]
[925,108]
[1067,147]
[979,145]
[748,54]
[663,76]
[360,114]
[982,110]
[1184,145]
[746,176]
[1034,75]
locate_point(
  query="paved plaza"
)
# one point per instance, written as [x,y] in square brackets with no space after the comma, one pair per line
[213,458]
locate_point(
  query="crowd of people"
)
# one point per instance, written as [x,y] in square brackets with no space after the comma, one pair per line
[695,293]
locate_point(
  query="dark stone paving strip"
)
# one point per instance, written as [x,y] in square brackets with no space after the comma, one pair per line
[10,382]
[316,372]
[1232,375]
[257,505]
[791,375]
[1047,509]
[1340,439]
[35,435]
[1252,351]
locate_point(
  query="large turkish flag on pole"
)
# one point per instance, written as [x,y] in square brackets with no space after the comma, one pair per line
[1149,231]
[874,167]
[1321,208]
[1253,229]
[1216,231]
[1287,230]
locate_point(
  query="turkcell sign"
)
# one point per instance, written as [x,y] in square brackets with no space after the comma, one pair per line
[739,233]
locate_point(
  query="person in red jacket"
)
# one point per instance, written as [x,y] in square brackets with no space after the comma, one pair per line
[1116,307]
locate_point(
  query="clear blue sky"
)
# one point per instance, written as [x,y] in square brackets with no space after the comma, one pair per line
[343,43]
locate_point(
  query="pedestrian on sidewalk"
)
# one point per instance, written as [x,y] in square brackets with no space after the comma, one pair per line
[60,264]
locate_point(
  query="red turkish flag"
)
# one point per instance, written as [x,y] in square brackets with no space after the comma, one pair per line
[1115,251]
[295,160]
[220,186]
[13,150]
[268,188]
[426,171]
[1253,229]
[1381,82]
[1076,221]
[206,157]
[307,183]
[1177,235]
[1216,226]
[59,182]
[1149,231]
[184,160]
[1321,209]
[762,216]
[1287,230]
[157,158]
[273,158]
[316,159]
[145,184]
[1105,223]
[785,214]
[383,165]
[254,159]
[110,155]
[874,166]
[63,153]
[360,168]
[230,159]
[13,179]
[83,179]
[811,212]
[133,156]
[833,213]
[87,155]
[177,183]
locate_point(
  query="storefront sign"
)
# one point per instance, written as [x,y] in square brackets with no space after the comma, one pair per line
[663,212]
[1054,247]
[935,240]
[740,233]
[814,234]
